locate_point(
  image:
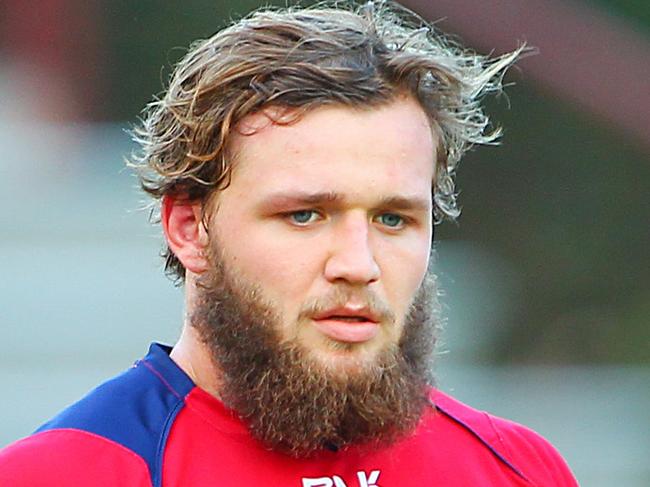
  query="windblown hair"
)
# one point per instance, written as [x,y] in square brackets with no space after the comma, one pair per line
[343,54]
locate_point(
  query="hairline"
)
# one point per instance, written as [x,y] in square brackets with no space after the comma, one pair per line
[297,113]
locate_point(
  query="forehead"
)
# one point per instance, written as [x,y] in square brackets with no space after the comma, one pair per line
[335,148]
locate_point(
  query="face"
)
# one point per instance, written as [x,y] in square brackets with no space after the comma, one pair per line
[314,308]
[329,220]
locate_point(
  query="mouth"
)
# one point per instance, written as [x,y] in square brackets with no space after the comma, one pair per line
[347,325]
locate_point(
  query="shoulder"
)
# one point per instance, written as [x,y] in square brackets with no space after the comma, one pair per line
[531,452]
[72,458]
[523,449]
[127,409]
[120,426]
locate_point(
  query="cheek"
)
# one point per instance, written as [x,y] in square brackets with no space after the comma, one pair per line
[403,271]
[285,271]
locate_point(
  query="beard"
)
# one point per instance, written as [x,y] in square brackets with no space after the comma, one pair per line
[290,401]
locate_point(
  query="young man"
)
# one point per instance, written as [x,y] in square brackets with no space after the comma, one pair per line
[301,158]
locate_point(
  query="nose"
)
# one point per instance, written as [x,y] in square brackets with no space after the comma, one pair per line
[351,258]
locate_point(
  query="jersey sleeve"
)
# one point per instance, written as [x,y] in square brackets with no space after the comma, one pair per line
[533,455]
[72,458]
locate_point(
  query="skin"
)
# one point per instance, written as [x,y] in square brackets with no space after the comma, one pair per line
[334,208]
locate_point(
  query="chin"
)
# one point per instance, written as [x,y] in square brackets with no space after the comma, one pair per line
[341,358]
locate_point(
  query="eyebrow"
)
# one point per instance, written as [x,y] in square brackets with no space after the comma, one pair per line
[397,202]
[406,203]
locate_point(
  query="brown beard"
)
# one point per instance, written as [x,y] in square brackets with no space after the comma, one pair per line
[291,402]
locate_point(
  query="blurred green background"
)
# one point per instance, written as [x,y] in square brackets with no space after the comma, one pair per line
[546,275]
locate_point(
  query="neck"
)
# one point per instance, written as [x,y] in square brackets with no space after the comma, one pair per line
[192,356]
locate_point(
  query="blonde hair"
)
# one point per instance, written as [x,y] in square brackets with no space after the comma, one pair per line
[342,53]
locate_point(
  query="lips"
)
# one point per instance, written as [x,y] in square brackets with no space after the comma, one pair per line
[348,312]
[347,324]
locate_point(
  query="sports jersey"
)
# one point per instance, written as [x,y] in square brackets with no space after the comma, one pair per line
[152,426]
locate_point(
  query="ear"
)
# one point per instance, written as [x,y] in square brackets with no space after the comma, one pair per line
[185,233]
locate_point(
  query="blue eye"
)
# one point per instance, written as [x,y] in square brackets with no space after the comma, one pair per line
[391,220]
[303,217]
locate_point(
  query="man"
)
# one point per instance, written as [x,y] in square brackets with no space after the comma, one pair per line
[301,158]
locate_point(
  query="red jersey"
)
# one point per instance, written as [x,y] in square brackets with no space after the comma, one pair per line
[151,426]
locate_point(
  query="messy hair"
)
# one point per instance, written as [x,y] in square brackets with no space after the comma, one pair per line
[344,54]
